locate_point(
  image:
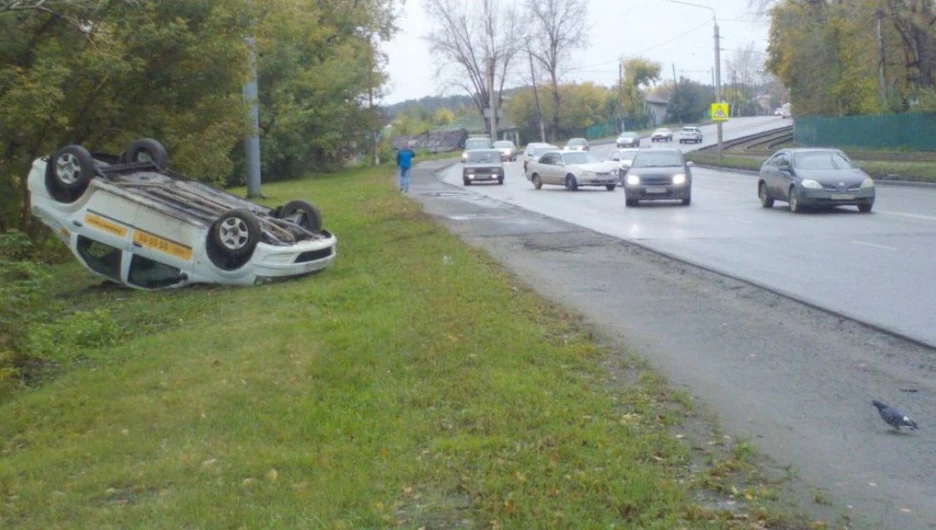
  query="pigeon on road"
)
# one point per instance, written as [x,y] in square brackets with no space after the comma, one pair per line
[893,417]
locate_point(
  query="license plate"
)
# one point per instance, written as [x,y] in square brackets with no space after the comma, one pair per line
[842,197]
[656,190]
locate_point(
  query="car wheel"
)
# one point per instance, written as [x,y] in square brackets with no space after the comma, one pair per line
[610,187]
[630,202]
[571,183]
[70,170]
[303,214]
[687,201]
[236,233]
[466,182]
[865,208]
[147,150]
[537,183]
[765,200]
[500,181]
[794,201]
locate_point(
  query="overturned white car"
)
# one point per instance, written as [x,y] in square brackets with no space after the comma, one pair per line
[131,220]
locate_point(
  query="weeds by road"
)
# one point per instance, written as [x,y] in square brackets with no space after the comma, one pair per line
[414,384]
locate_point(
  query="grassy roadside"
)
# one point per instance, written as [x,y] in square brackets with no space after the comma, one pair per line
[414,384]
[878,169]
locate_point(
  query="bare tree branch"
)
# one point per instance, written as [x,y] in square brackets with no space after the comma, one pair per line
[466,36]
[559,26]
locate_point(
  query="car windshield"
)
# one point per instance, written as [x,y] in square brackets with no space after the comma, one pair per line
[504,145]
[578,157]
[477,143]
[540,150]
[658,159]
[576,141]
[662,130]
[627,136]
[689,129]
[625,155]
[484,156]
[822,160]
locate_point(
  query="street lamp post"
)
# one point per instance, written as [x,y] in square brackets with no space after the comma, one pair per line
[717,67]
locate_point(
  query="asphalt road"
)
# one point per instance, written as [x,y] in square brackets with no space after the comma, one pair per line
[873,268]
[796,378]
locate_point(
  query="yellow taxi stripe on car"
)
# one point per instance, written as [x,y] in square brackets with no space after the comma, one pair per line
[159,244]
[105,225]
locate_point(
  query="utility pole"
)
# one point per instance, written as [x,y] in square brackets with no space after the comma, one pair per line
[675,88]
[717,67]
[622,126]
[718,84]
[882,70]
[539,111]
[252,142]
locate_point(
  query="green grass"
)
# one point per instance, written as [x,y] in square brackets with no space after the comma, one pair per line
[878,169]
[414,384]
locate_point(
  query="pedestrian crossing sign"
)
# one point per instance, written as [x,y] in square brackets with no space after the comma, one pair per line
[719,112]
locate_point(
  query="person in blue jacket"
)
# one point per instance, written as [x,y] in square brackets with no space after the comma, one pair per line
[404,159]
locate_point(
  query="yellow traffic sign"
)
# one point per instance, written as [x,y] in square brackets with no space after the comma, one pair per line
[719,112]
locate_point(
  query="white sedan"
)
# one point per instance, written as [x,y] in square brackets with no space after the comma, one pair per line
[572,169]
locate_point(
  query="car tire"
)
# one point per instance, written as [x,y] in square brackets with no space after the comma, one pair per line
[70,171]
[147,150]
[570,183]
[610,187]
[631,202]
[766,200]
[303,214]
[537,182]
[466,182]
[794,201]
[687,201]
[236,233]
[500,181]
[866,207]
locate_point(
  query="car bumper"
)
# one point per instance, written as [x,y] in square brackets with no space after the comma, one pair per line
[482,177]
[598,181]
[647,193]
[811,197]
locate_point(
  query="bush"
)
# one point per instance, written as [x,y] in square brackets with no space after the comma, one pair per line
[22,297]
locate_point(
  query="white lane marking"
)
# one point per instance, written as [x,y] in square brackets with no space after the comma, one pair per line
[909,215]
[872,245]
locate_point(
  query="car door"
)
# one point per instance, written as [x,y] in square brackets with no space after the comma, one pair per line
[784,174]
[555,169]
[771,175]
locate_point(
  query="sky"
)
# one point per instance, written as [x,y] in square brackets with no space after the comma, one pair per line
[675,35]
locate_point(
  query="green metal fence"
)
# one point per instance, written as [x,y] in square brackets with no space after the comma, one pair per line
[612,128]
[914,131]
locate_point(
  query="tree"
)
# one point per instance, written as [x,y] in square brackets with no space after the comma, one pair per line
[318,67]
[638,73]
[170,70]
[474,40]
[689,101]
[558,27]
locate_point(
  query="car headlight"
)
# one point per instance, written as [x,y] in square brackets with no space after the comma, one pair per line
[633,180]
[867,183]
[470,175]
[811,184]
[679,179]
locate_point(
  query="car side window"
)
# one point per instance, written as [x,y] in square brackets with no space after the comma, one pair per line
[615,157]
[151,274]
[103,259]
[548,158]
